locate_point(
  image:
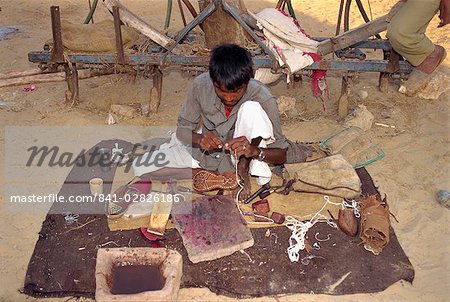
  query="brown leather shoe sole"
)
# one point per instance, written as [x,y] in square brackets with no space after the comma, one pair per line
[205,180]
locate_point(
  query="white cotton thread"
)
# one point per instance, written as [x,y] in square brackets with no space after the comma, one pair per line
[352,205]
[248,256]
[322,240]
[276,237]
[307,260]
[297,238]
[299,229]
[70,218]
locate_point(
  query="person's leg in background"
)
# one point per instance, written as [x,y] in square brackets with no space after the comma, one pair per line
[406,33]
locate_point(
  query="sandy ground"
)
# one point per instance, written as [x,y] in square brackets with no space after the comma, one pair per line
[415,167]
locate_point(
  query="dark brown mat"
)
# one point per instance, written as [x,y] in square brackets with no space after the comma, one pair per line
[63,262]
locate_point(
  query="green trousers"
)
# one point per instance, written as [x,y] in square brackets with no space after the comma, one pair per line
[406,32]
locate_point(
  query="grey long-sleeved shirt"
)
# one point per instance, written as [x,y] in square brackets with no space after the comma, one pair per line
[203,107]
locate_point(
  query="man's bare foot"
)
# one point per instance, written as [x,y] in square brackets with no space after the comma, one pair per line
[247,190]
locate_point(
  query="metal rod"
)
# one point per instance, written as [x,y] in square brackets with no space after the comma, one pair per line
[279,3]
[168,14]
[256,193]
[347,15]
[196,21]
[90,16]
[190,8]
[364,15]
[291,9]
[383,81]
[183,17]
[338,25]
[259,61]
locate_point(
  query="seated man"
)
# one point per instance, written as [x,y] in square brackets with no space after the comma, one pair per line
[406,32]
[239,117]
[231,121]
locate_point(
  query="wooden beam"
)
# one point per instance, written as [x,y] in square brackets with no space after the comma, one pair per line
[132,20]
[17,74]
[357,34]
[50,77]
[58,48]
[118,36]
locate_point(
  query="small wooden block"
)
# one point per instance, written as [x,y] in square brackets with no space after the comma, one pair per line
[277,217]
[261,206]
[159,217]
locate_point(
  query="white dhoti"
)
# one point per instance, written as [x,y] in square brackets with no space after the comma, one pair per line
[175,153]
[253,122]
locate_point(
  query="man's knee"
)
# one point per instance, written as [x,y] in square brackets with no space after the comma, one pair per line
[395,36]
[402,40]
[250,107]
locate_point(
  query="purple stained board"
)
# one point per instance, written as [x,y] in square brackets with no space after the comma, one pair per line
[213,229]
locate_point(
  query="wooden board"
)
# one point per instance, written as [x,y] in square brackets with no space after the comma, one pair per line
[213,229]
[160,216]
[132,20]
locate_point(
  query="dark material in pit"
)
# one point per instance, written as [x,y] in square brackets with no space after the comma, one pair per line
[133,279]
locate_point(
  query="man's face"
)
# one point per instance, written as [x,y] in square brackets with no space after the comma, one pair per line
[230,97]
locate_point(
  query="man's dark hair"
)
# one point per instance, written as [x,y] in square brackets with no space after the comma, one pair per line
[230,66]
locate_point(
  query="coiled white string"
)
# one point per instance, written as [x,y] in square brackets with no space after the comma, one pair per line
[352,205]
[70,218]
[297,239]
[299,230]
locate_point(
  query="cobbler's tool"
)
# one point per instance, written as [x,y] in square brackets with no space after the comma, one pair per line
[284,189]
[259,191]
[266,193]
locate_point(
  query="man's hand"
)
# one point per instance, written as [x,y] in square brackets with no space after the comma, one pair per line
[210,141]
[240,146]
[444,12]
